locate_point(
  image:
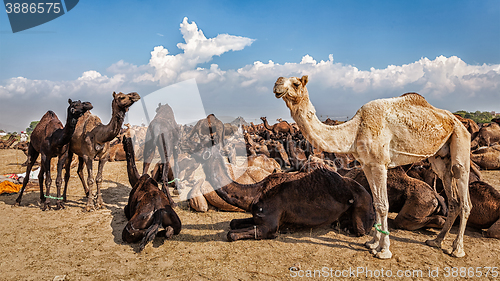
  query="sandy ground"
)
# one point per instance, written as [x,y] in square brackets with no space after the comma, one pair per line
[70,244]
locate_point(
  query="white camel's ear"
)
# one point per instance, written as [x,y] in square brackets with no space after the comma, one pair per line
[114,94]
[304,80]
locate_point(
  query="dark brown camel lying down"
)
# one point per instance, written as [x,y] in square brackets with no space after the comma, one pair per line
[485,212]
[487,158]
[148,207]
[416,203]
[303,199]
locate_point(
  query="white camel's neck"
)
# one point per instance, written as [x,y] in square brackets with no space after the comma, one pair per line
[337,139]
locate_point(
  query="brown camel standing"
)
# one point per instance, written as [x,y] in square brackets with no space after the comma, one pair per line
[50,139]
[90,140]
[387,133]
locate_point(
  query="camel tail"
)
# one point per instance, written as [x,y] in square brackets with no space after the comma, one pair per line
[150,233]
[442,207]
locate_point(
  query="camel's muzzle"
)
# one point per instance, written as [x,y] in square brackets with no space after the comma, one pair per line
[279,95]
[278,89]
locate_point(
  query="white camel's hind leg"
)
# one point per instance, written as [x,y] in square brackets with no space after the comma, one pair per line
[453,169]
[441,167]
[377,178]
[460,160]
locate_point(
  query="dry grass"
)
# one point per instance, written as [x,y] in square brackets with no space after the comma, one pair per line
[36,245]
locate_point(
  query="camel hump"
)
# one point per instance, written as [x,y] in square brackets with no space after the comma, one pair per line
[49,114]
[49,118]
[46,119]
[416,99]
[90,120]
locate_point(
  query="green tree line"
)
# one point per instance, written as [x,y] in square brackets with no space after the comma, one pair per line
[478,116]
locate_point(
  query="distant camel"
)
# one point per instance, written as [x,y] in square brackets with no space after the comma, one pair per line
[387,133]
[470,125]
[488,135]
[281,127]
[487,158]
[50,139]
[163,133]
[210,126]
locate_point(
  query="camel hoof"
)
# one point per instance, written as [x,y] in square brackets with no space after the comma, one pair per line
[17,204]
[59,206]
[231,237]
[169,232]
[98,205]
[371,245]
[88,208]
[45,206]
[384,254]
[458,253]
[434,243]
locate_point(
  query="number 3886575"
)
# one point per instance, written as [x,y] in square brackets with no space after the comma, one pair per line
[33,8]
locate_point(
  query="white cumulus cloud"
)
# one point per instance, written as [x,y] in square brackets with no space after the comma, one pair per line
[197,49]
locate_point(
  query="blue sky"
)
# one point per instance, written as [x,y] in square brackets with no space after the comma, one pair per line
[364,37]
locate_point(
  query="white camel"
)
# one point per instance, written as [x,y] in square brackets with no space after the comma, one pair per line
[387,133]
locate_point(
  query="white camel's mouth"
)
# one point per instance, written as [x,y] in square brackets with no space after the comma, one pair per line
[279,95]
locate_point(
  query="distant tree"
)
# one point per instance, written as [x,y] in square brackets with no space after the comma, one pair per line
[478,116]
[462,113]
[32,126]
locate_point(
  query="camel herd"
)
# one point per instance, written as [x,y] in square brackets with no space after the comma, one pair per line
[395,155]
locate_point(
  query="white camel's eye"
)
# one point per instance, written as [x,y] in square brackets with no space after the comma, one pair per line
[296,83]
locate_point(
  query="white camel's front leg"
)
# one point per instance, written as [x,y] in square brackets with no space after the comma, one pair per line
[374,243]
[377,178]
[382,230]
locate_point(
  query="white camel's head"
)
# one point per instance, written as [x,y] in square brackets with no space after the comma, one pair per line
[291,89]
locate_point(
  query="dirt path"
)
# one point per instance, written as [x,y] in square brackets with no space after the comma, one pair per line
[36,245]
